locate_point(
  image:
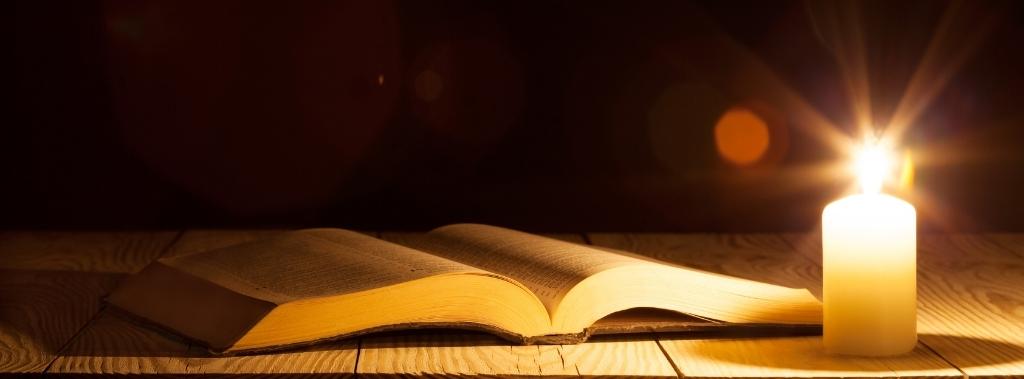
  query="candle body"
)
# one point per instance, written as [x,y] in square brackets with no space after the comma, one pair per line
[869,245]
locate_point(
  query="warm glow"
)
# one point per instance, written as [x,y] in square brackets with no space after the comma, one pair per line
[907,173]
[869,257]
[741,136]
[872,167]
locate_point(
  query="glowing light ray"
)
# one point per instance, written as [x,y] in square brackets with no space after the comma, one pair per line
[841,31]
[748,76]
[967,147]
[811,176]
[758,80]
[873,164]
[956,37]
[933,210]
[954,41]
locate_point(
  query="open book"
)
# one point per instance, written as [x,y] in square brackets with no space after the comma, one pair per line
[317,284]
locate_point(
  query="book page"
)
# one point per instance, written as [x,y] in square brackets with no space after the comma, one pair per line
[314,263]
[548,267]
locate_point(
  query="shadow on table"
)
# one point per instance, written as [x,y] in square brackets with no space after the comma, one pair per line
[119,338]
[111,336]
[40,310]
[808,353]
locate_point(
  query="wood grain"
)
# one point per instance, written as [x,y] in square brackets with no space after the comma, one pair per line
[455,353]
[51,284]
[112,345]
[970,291]
[959,247]
[618,356]
[199,240]
[470,354]
[797,357]
[467,353]
[970,301]
[41,310]
[768,258]
[121,252]
[1011,242]
[334,359]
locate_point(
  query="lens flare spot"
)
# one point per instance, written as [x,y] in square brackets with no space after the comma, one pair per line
[429,85]
[741,136]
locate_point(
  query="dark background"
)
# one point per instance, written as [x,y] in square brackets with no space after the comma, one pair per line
[540,115]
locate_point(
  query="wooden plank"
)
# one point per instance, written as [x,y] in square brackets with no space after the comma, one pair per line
[111,345]
[971,292]
[199,240]
[990,284]
[51,284]
[456,353]
[617,356]
[970,301]
[1011,242]
[467,353]
[955,247]
[767,258]
[798,357]
[106,345]
[41,310]
[122,252]
[334,359]
[994,246]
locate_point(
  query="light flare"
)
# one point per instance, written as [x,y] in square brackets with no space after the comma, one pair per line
[873,165]
[950,47]
[741,136]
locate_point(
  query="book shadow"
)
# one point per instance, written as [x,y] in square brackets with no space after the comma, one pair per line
[809,354]
[111,336]
[43,310]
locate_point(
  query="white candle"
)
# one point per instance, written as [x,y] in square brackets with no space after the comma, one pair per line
[869,261]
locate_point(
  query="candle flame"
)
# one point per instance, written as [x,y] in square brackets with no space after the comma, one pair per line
[872,165]
[907,173]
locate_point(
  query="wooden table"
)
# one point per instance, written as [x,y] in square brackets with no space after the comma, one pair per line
[971,319]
